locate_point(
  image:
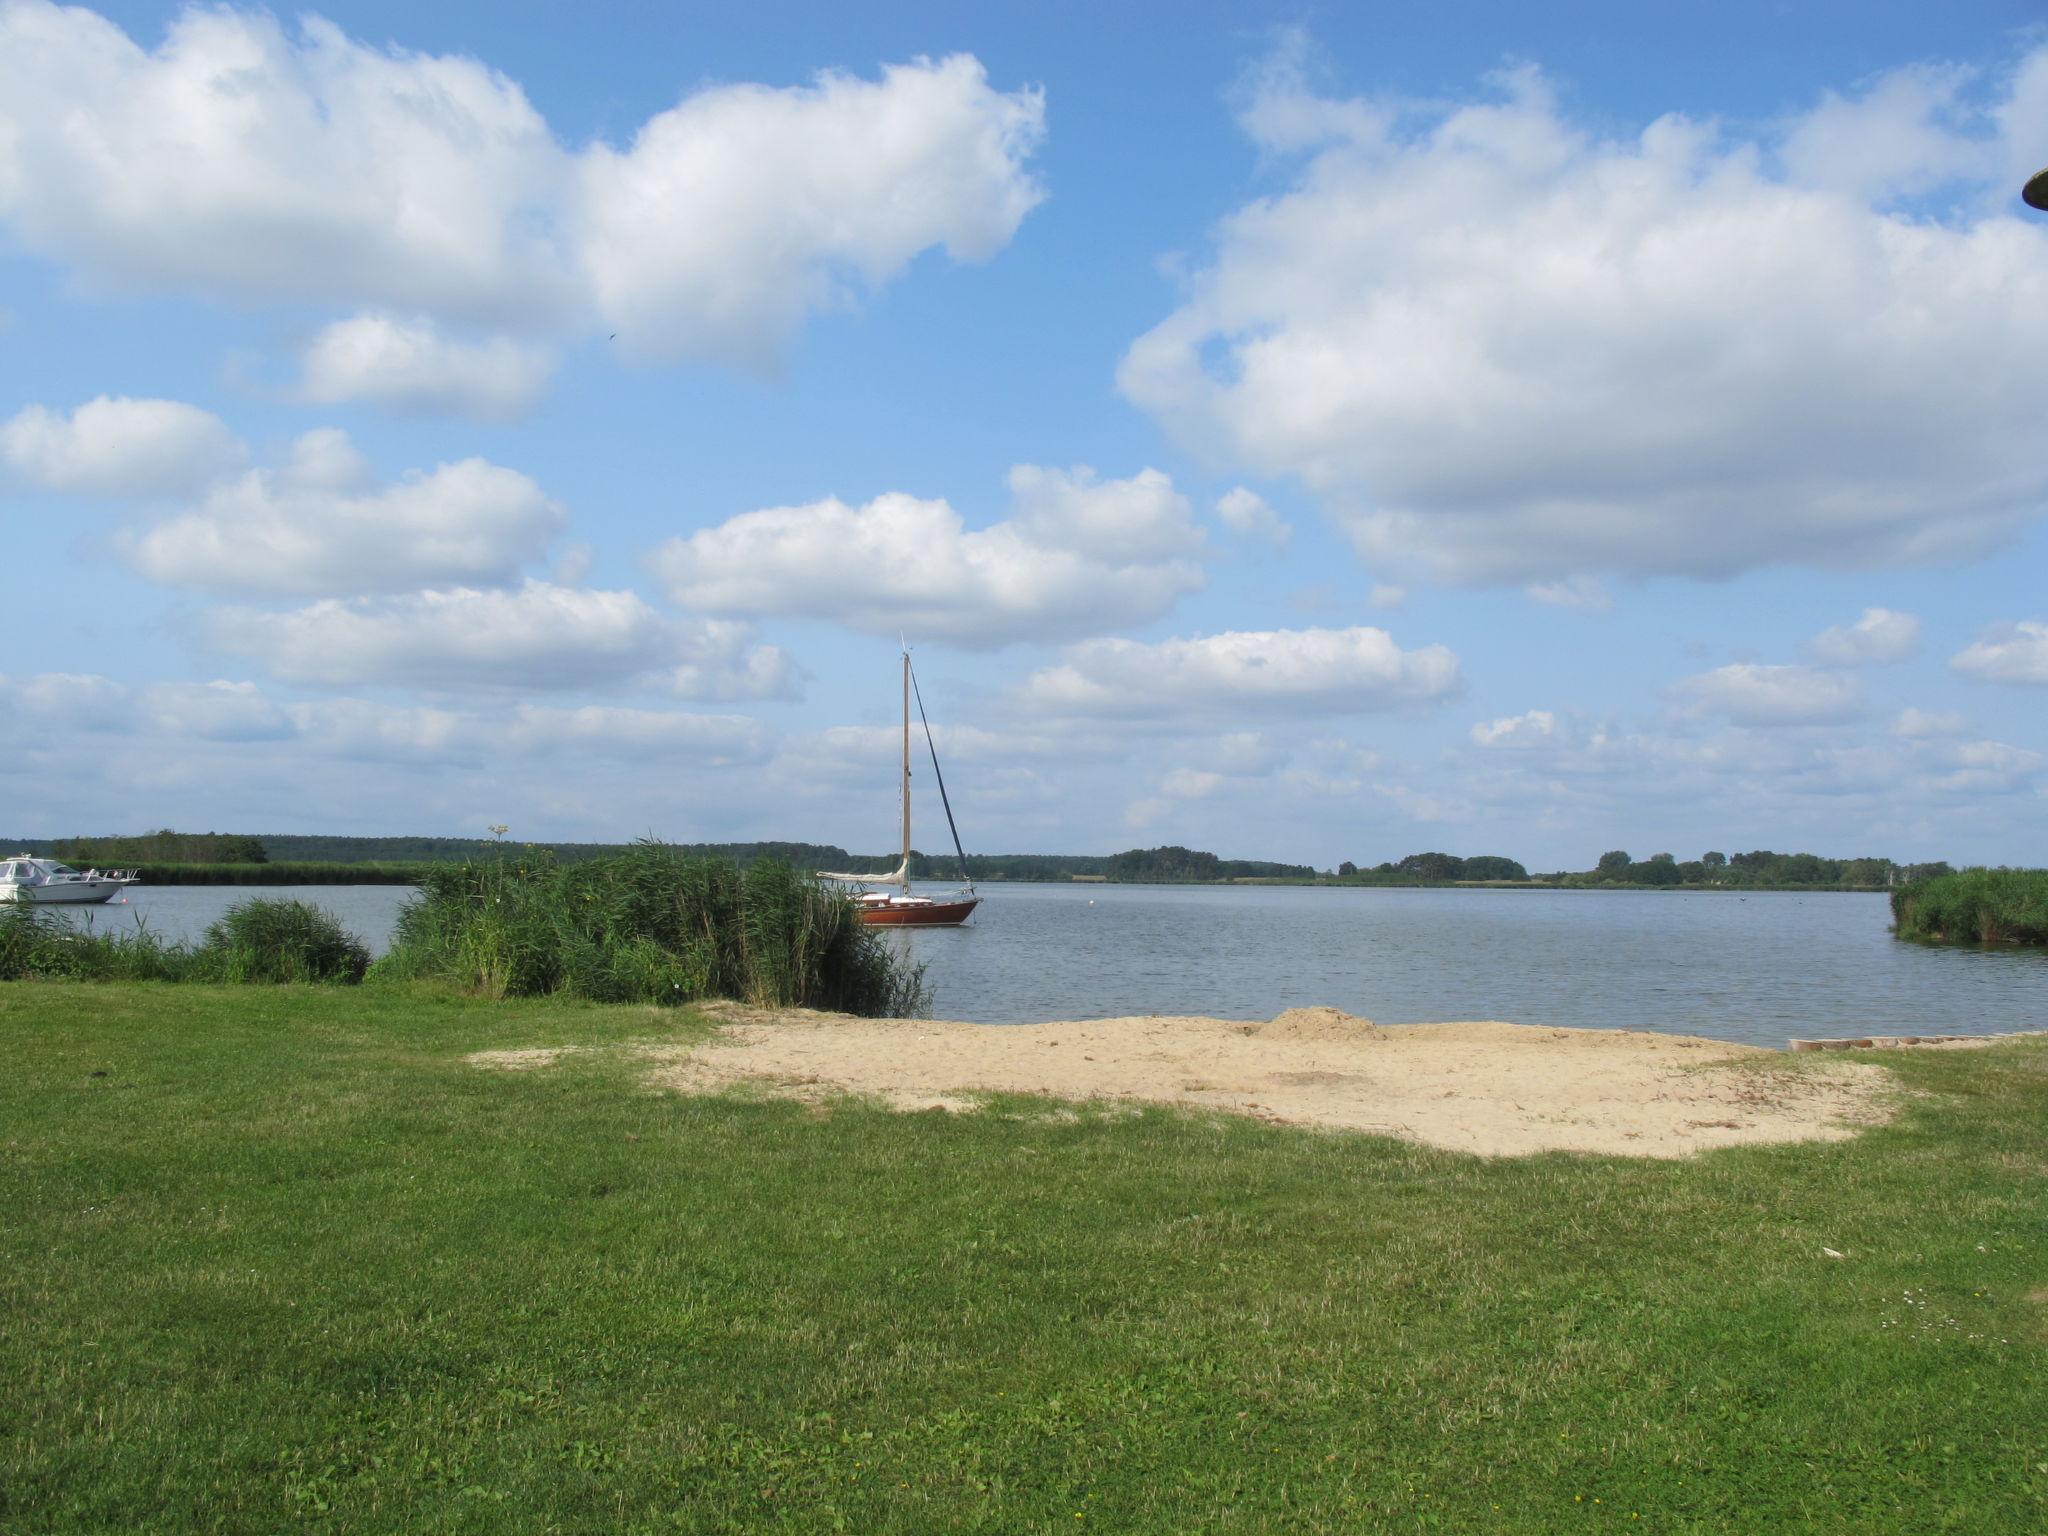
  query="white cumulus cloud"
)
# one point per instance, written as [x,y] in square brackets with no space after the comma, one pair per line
[2007,653]
[320,525]
[410,365]
[1249,515]
[1503,346]
[1081,555]
[244,159]
[534,637]
[1535,728]
[1299,672]
[1749,694]
[741,210]
[1880,635]
[115,446]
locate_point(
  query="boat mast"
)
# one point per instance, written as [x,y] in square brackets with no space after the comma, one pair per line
[906,770]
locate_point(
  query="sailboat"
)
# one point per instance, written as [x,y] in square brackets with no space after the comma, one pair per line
[901,907]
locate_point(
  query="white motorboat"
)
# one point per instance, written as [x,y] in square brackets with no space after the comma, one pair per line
[27,878]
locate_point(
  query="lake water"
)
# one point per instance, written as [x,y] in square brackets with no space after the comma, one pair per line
[1760,968]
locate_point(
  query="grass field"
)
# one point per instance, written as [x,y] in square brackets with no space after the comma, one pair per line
[279,1259]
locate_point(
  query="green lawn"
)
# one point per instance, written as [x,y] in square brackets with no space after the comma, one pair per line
[278,1259]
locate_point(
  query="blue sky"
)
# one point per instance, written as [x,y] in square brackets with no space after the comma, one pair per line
[1318,433]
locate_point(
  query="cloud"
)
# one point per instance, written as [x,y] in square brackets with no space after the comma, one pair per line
[1880,635]
[2007,653]
[1916,723]
[1246,513]
[115,446]
[1081,555]
[1990,768]
[1749,694]
[318,525]
[1117,521]
[717,660]
[853,747]
[533,637]
[68,701]
[243,160]
[1299,672]
[1190,783]
[362,729]
[1587,594]
[1903,136]
[71,702]
[215,711]
[1503,347]
[409,365]
[2000,756]
[1536,728]
[743,209]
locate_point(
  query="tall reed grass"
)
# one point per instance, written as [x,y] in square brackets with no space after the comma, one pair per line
[1975,906]
[255,941]
[650,925]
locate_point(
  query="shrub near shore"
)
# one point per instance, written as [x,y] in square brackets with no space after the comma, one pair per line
[649,925]
[1982,906]
[265,940]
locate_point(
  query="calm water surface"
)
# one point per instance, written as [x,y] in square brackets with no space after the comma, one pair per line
[1761,968]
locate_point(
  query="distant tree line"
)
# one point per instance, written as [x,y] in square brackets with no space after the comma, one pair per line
[1180,866]
[163,847]
[1165,865]
[1433,868]
[1759,868]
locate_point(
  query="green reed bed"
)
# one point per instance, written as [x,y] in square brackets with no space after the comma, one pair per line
[263,940]
[649,925]
[1975,906]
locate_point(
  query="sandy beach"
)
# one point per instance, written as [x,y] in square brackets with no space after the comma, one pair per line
[1489,1088]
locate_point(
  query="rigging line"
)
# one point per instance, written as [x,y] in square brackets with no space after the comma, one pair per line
[932,747]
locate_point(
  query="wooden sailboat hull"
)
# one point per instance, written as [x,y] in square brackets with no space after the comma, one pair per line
[922,914]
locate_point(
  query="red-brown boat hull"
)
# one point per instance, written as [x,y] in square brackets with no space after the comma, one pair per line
[940,914]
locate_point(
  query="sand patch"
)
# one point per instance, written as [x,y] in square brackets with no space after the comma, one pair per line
[520,1061]
[1489,1088]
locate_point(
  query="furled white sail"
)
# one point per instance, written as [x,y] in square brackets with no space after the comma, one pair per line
[900,875]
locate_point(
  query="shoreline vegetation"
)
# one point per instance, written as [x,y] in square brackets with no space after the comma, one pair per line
[648,925]
[173,858]
[287,1258]
[1975,906]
